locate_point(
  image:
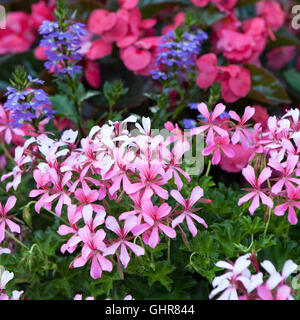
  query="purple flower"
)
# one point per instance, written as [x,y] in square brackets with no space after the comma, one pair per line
[28,104]
[189,123]
[180,56]
[62,54]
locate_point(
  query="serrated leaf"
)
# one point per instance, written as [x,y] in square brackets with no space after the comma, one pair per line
[161,274]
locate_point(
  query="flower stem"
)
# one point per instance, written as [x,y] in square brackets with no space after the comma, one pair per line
[267,225]
[169,250]
[14,238]
[208,168]
[6,152]
[55,215]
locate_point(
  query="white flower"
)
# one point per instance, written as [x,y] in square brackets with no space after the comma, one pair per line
[275,277]
[228,282]
[4,250]
[5,277]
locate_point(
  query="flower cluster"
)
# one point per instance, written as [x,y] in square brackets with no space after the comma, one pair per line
[61,46]
[176,57]
[228,137]
[238,283]
[235,80]
[26,104]
[5,277]
[274,152]
[132,35]
[112,163]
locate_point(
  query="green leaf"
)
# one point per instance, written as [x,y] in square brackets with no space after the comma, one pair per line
[265,87]
[145,3]
[252,226]
[242,3]
[208,15]
[283,38]
[161,274]
[9,62]
[293,78]
[151,7]
[64,106]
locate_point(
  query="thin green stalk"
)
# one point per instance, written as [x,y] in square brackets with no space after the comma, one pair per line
[268,222]
[169,250]
[54,214]
[208,168]
[14,238]
[6,152]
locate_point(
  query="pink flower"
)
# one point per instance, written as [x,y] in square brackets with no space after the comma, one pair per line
[235,82]
[187,214]
[92,74]
[118,30]
[287,169]
[18,35]
[291,200]
[261,115]
[99,49]
[74,216]
[200,3]
[41,11]
[271,12]
[137,207]
[58,191]
[122,243]
[154,217]
[135,58]
[93,222]
[208,68]
[151,179]
[243,46]
[120,172]
[101,20]
[140,56]
[6,130]
[87,196]
[93,244]
[279,57]
[241,134]
[20,160]
[4,219]
[210,122]
[128,4]
[256,194]
[239,161]
[220,145]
